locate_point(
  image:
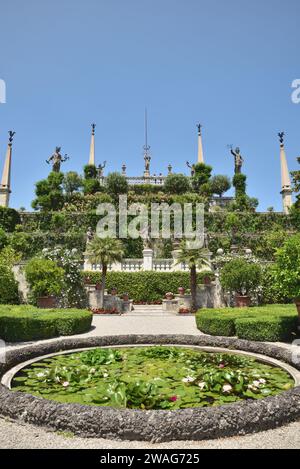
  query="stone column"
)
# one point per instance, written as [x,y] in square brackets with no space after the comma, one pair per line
[148,259]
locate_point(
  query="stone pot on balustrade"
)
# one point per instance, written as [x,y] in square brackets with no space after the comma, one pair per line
[181,291]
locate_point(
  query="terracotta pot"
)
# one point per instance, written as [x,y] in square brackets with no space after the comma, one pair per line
[297,303]
[207,280]
[181,291]
[242,301]
[125,297]
[47,302]
[114,291]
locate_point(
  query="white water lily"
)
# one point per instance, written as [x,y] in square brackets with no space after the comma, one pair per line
[188,379]
[66,384]
[40,375]
[262,381]
[256,383]
[105,375]
[227,388]
[202,385]
[251,387]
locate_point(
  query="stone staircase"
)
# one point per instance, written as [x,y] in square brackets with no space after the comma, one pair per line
[148,310]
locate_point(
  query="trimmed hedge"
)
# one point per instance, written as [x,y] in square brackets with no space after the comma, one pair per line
[145,286]
[26,323]
[266,323]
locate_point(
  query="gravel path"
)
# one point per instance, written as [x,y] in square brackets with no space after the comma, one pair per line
[17,436]
[13,435]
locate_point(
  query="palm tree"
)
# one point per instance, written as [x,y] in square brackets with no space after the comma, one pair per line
[193,258]
[104,251]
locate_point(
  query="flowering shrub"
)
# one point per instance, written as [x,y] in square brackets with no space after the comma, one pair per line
[73,294]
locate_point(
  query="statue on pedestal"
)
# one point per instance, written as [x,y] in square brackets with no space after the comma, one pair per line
[238,160]
[101,168]
[57,159]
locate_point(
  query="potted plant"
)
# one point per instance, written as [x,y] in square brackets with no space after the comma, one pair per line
[46,281]
[114,291]
[169,296]
[181,291]
[286,271]
[184,310]
[242,278]
[206,277]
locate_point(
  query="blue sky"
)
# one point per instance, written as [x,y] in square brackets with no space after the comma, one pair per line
[229,65]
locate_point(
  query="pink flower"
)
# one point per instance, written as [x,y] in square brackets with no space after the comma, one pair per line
[173,398]
[221,365]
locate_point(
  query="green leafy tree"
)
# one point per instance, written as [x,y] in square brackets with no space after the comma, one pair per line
[104,251]
[8,285]
[240,276]
[177,184]
[3,239]
[49,193]
[239,183]
[91,186]
[21,243]
[90,171]
[202,175]
[45,278]
[194,258]
[72,182]
[116,184]
[296,185]
[220,184]
[287,268]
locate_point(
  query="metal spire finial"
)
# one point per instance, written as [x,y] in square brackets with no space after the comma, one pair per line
[146,146]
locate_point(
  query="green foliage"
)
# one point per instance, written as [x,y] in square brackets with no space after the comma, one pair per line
[239,183]
[152,378]
[142,189]
[265,323]
[26,323]
[45,278]
[73,294]
[143,286]
[220,184]
[72,182]
[21,243]
[3,239]
[177,184]
[287,268]
[90,171]
[202,174]
[240,276]
[9,218]
[91,186]
[8,285]
[116,184]
[49,193]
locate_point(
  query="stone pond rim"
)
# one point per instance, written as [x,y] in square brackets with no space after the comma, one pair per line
[151,425]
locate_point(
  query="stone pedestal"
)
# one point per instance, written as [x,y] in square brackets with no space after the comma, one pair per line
[127,306]
[113,302]
[175,255]
[148,259]
[170,306]
[184,300]
[94,297]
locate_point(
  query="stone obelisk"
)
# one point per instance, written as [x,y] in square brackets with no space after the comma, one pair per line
[5,186]
[92,147]
[200,145]
[286,188]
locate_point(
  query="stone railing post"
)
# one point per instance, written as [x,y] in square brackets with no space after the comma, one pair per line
[148,259]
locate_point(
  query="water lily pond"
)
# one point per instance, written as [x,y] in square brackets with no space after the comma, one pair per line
[151,378]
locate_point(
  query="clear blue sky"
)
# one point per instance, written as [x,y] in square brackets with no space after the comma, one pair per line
[228,64]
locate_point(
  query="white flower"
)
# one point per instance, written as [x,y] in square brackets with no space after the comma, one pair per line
[202,385]
[227,388]
[251,387]
[66,384]
[105,375]
[188,379]
[262,381]
[40,375]
[93,370]
[256,383]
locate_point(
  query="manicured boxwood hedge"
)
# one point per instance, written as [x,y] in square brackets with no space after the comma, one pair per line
[26,323]
[143,286]
[146,286]
[266,323]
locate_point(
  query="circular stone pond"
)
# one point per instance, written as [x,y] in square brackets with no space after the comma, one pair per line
[151,388]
